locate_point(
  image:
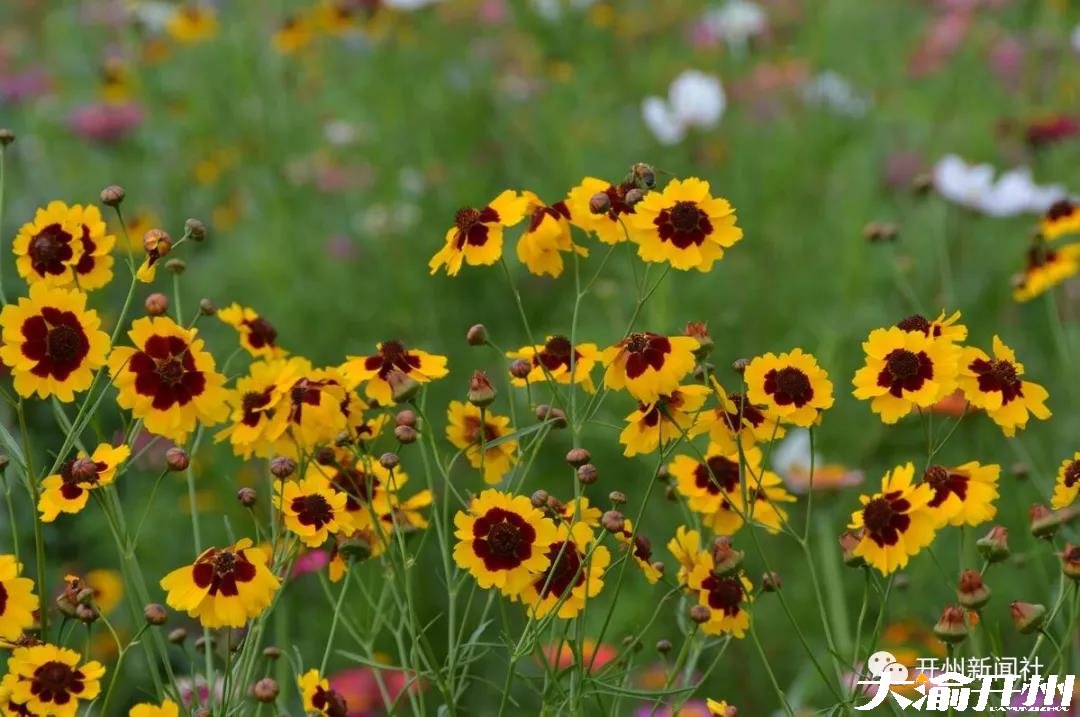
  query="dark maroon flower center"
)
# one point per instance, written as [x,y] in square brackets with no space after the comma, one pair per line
[305,392]
[725,593]
[252,404]
[717,474]
[330,703]
[998,375]
[50,249]
[683,225]
[221,570]
[905,371]
[3,599]
[748,412]
[647,350]
[915,323]
[355,484]
[564,573]
[1059,209]
[885,518]
[472,225]
[56,340]
[556,352]
[392,355]
[1072,474]
[502,539]
[642,548]
[312,510]
[789,386]
[56,682]
[261,333]
[945,483]
[165,370]
[556,211]
[472,430]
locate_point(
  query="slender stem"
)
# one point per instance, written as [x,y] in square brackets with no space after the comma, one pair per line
[3,296]
[333,624]
[39,538]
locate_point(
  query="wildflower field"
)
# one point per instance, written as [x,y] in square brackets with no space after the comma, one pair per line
[539,357]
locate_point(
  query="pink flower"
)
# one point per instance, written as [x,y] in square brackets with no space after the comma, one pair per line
[941,40]
[361,690]
[101,122]
[24,86]
[311,561]
[1006,61]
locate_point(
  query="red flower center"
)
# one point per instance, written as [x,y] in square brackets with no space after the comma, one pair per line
[725,593]
[998,375]
[330,703]
[56,682]
[49,250]
[945,483]
[885,518]
[564,572]
[683,225]
[915,323]
[905,371]
[718,474]
[261,333]
[221,570]
[647,350]
[56,340]
[1072,474]
[502,539]
[312,510]
[789,386]
[165,369]
[355,484]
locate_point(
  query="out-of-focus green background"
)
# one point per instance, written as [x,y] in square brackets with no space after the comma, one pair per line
[328,177]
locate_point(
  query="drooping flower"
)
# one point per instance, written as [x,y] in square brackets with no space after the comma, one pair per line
[895,523]
[727,597]
[553,359]
[503,541]
[391,356]
[905,370]
[640,548]
[734,415]
[255,402]
[668,418]
[319,698]
[17,600]
[574,574]
[476,238]
[49,247]
[49,680]
[1067,485]
[168,379]
[1045,269]
[611,225]
[547,237]
[69,490]
[685,546]
[684,225]
[52,343]
[311,508]
[792,385]
[994,385]
[1062,218]
[224,587]
[257,335]
[648,365]
[192,23]
[467,427]
[168,708]
[963,495]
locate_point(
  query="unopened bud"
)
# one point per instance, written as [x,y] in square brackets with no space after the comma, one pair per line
[726,559]
[402,385]
[922,183]
[282,466]
[195,229]
[201,643]
[699,331]
[177,459]
[1027,617]
[876,232]
[155,614]
[700,614]
[271,653]
[112,195]
[405,417]
[265,690]
[389,460]
[325,456]
[1070,561]
[176,266]
[481,392]
[520,368]
[662,473]
[739,365]
[247,497]
[771,582]
[539,498]
[587,474]
[177,636]
[206,307]
[578,457]
[157,242]
[849,540]
[405,434]
[617,497]
[659,566]
[552,414]
[476,335]
[994,546]
[157,304]
[663,646]
[86,613]
[84,470]
[971,592]
[600,203]
[952,626]
[1044,522]
[555,506]
[1019,470]
[6,137]
[613,521]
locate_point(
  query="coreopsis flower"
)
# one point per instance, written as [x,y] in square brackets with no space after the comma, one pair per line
[69,490]
[503,541]
[390,356]
[686,548]
[93,270]
[905,370]
[467,426]
[666,419]
[581,511]
[648,365]
[553,359]
[1045,269]
[363,483]
[611,224]
[319,698]
[476,238]
[943,328]
[640,548]
[1067,485]
[574,575]
[1063,217]
[312,414]
[52,343]
[547,236]
[293,34]
[224,587]
[168,380]
[257,335]
[192,23]
[726,596]
[48,247]
[734,415]
[896,522]
[256,401]
[18,601]
[792,385]
[684,225]
[48,680]
[719,708]
[168,708]
[994,385]
[311,508]
[963,495]
[336,17]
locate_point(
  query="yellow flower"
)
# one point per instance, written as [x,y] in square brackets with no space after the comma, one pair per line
[640,548]
[1046,268]
[659,423]
[792,385]
[895,523]
[168,708]
[108,587]
[963,495]
[318,698]
[48,680]
[648,365]
[686,548]
[756,424]
[293,34]
[168,380]
[256,401]
[68,490]
[364,484]
[52,343]
[312,414]
[719,708]
[503,541]
[93,270]
[465,426]
[224,587]
[476,238]
[257,335]
[390,356]
[943,328]
[580,511]
[116,84]
[995,386]
[610,226]
[553,359]
[905,370]
[311,508]
[48,248]
[19,602]
[1067,485]
[684,226]
[336,18]
[192,24]
[547,236]
[1063,217]
[726,596]
[574,575]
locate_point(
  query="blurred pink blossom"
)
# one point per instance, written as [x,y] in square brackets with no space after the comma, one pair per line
[361,691]
[102,122]
[940,41]
[901,168]
[311,561]
[341,247]
[19,87]
[1007,62]
[493,12]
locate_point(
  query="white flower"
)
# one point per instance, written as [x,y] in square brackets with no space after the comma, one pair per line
[832,90]
[1074,39]
[736,21]
[552,10]
[408,5]
[974,187]
[695,99]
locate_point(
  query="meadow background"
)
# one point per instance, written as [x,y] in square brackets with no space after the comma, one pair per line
[328,177]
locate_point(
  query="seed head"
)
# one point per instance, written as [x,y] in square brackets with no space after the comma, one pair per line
[157,241]
[1044,522]
[613,521]
[481,392]
[84,470]
[994,546]
[971,591]
[952,626]
[1027,617]
[282,466]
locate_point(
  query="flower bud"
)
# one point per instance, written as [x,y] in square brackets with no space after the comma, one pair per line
[1070,561]
[952,626]
[662,473]
[555,506]
[177,636]
[177,459]
[994,546]
[325,456]
[539,498]
[1044,522]
[698,330]
[876,232]
[402,385]
[600,203]
[112,195]
[552,414]
[520,368]
[771,582]
[157,242]
[389,460]
[476,335]
[587,473]
[201,642]
[206,307]
[405,417]
[739,365]
[282,466]
[271,653]
[658,566]
[405,434]
[6,137]
[247,497]
[1027,617]
[84,470]
[726,559]
[578,457]
[1019,470]
[87,613]
[633,196]
[848,542]
[613,521]
[481,392]
[971,592]
[663,646]
[155,614]
[922,183]
[176,266]
[195,229]
[156,304]
[4,462]
[265,690]
[700,614]
[617,497]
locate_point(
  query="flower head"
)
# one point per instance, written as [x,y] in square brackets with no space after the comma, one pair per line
[255,403]
[905,370]
[312,509]
[18,601]
[257,335]
[611,225]
[727,598]
[574,574]
[319,698]
[648,365]
[895,523]
[1063,217]
[224,587]
[994,385]
[734,415]
[657,424]
[192,23]
[49,247]
[168,708]
[686,548]
[963,495]
[467,427]
[476,238]
[943,328]
[684,226]
[69,490]
[553,359]
[293,34]
[1067,485]
[312,413]
[391,356]
[640,548]
[1045,269]
[792,385]
[52,343]
[547,237]
[48,680]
